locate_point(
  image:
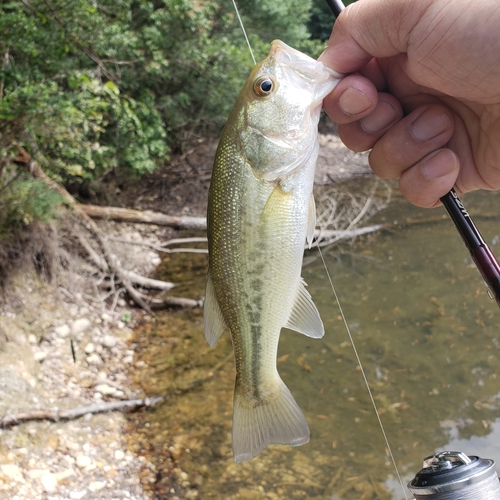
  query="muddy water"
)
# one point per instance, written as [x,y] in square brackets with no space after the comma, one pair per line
[428,337]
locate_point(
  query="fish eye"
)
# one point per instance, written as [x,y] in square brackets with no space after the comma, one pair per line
[263,86]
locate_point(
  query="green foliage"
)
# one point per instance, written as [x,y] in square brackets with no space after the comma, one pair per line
[97,85]
[25,201]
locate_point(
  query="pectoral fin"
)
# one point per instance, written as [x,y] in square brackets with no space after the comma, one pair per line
[311,221]
[213,320]
[304,317]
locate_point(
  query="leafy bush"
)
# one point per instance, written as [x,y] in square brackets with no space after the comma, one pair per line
[24,202]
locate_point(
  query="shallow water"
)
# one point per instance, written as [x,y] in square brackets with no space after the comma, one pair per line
[428,338]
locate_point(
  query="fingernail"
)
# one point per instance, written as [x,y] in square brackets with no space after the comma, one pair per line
[353,102]
[440,164]
[382,116]
[430,123]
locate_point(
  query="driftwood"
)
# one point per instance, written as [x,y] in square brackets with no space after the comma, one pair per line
[145,217]
[163,246]
[188,222]
[57,415]
[167,302]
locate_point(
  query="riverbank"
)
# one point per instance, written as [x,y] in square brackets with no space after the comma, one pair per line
[63,347]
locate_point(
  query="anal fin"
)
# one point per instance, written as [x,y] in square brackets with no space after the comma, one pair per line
[304,317]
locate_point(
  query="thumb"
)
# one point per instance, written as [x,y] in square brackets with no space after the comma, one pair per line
[371,28]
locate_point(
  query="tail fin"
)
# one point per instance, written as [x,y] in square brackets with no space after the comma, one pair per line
[275,420]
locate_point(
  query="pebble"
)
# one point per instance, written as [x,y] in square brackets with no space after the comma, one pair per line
[109,341]
[62,331]
[128,360]
[36,473]
[49,482]
[83,461]
[105,389]
[32,338]
[89,348]
[80,325]
[12,471]
[97,485]
[40,355]
[94,359]
[77,495]
[119,455]
[65,474]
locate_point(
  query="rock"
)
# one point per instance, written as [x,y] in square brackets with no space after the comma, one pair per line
[109,341]
[40,356]
[94,359]
[128,360]
[77,495]
[36,473]
[97,485]
[105,389]
[32,339]
[65,474]
[80,325]
[83,461]
[49,482]
[119,455]
[89,348]
[63,330]
[12,471]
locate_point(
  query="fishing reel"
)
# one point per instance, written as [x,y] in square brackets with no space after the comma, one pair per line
[452,475]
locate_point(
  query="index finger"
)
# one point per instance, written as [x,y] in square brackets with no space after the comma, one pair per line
[371,28]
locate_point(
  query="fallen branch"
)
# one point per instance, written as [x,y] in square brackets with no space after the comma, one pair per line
[57,415]
[134,277]
[145,217]
[162,247]
[167,302]
[329,236]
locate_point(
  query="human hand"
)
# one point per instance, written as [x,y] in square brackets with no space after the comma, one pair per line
[422,92]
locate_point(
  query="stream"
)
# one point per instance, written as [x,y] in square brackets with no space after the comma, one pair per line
[426,332]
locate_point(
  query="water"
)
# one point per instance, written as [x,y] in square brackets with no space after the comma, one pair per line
[428,337]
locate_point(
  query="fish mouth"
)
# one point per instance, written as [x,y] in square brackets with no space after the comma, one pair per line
[324,79]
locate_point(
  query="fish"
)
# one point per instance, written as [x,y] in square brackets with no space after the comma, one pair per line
[261,212]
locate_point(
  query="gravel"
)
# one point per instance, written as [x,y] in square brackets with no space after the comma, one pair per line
[85,458]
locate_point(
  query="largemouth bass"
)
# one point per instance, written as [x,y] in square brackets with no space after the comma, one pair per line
[260,213]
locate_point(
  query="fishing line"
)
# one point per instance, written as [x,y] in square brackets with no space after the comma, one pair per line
[351,339]
[244,32]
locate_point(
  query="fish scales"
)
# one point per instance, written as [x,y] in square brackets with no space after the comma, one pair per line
[260,213]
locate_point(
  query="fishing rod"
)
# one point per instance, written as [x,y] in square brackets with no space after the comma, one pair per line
[480,252]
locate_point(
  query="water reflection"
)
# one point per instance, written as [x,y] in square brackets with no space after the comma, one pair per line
[427,335]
